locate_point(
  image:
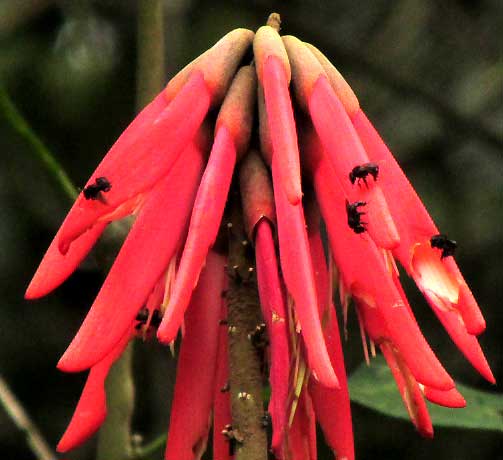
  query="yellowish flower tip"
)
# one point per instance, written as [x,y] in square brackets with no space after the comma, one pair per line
[432,274]
[267,42]
[274,21]
[339,84]
[306,69]
[218,65]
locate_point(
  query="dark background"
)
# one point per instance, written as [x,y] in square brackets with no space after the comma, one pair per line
[428,72]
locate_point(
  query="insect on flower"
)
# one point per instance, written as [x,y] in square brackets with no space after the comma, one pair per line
[354,216]
[93,191]
[359,173]
[174,271]
[447,246]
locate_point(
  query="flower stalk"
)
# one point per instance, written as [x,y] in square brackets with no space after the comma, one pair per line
[245,367]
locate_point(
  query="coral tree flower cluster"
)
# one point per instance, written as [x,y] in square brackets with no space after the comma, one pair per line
[287,130]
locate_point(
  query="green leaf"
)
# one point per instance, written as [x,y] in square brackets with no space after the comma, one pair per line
[374,387]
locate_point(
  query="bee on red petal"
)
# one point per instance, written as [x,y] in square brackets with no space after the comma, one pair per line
[447,246]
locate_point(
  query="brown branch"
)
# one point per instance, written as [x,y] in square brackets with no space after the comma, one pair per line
[244,359]
[150,72]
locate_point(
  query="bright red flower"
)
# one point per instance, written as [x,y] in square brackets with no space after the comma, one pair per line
[171,272]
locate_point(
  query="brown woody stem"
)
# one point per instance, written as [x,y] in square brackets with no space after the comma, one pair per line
[244,359]
[150,72]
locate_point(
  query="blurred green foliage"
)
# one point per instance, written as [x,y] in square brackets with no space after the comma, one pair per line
[429,74]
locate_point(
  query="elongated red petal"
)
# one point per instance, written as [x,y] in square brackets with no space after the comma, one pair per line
[345,151]
[410,392]
[467,305]
[204,224]
[452,398]
[150,245]
[332,407]
[302,434]
[195,377]
[374,286]
[466,342]
[56,267]
[298,274]
[282,127]
[221,400]
[272,301]
[416,228]
[135,166]
[91,409]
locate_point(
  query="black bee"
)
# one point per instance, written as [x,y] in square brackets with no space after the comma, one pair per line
[93,191]
[354,216]
[141,317]
[258,337]
[445,244]
[360,173]
[156,319]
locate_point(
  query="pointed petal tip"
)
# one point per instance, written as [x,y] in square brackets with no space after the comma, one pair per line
[165,335]
[426,432]
[488,374]
[33,292]
[71,365]
[452,398]
[328,379]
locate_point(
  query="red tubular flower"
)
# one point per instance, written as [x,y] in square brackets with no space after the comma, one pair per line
[221,399]
[437,278]
[375,287]
[302,436]
[152,242]
[259,214]
[91,409]
[195,377]
[331,406]
[273,71]
[170,272]
[340,141]
[232,135]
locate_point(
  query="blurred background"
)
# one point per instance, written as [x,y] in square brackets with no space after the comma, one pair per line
[429,73]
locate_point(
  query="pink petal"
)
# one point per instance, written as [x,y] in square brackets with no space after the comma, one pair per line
[298,274]
[272,301]
[134,165]
[374,286]
[467,343]
[282,127]
[195,377]
[55,267]
[150,245]
[221,400]
[302,434]
[204,225]
[332,406]
[467,305]
[410,392]
[345,151]
[91,409]
[416,228]
[452,398]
